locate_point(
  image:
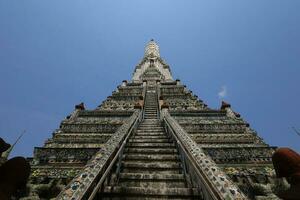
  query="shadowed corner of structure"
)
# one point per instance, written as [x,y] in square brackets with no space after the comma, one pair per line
[14,173]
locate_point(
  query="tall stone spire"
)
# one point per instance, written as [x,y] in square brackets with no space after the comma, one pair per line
[152,58]
[154,138]
[152,49]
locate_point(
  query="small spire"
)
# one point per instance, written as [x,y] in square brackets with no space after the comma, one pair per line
[225,105]
[80,106]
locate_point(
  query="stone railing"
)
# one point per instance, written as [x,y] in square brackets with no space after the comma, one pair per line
[87,179]
[213,182]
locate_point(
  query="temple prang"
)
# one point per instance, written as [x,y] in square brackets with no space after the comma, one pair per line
[153,139]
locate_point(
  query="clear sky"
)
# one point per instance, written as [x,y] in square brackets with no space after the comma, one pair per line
[55,54]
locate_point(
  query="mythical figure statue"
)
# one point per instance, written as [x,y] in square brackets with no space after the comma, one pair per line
[14,173]
[287,165]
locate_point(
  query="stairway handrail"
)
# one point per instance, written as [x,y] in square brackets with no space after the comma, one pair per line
[212,180]
[144,97]
[81,187]
[157,100]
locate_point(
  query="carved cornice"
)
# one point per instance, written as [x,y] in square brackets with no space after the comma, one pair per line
[100,113]
[196,113]
[44,155]
[237,154]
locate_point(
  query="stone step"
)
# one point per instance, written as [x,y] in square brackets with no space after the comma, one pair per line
[150,120]
[152,180]
[141,150]
[150,145]
[134,140]
[151,170]
[116,196]
[146,127]
[150,125]
[146,131]
[151,157]
[156,193]
[156,123]
[143,176]
[151,183]
[150,134]
[149,137]
[152,164]
[153,122]
[152,128]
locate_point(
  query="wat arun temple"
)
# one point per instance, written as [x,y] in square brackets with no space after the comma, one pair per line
[152,139]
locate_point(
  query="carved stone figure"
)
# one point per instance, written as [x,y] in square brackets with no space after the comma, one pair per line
[14,174]
[287,164]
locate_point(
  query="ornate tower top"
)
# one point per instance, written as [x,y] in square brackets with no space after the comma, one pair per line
[152,65]
[152,49]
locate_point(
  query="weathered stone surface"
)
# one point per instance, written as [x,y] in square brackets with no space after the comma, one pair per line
[233,157]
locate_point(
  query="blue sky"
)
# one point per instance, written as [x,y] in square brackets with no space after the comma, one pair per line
[55,54]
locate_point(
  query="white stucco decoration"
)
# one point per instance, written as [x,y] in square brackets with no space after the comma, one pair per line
[151,55]
[152,50]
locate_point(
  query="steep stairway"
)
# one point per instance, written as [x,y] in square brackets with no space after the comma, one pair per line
[151,167]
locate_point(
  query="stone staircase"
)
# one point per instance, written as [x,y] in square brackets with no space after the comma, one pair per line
[151,167]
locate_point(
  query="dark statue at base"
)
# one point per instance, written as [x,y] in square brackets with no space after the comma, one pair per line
[14,174]
[287,165]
